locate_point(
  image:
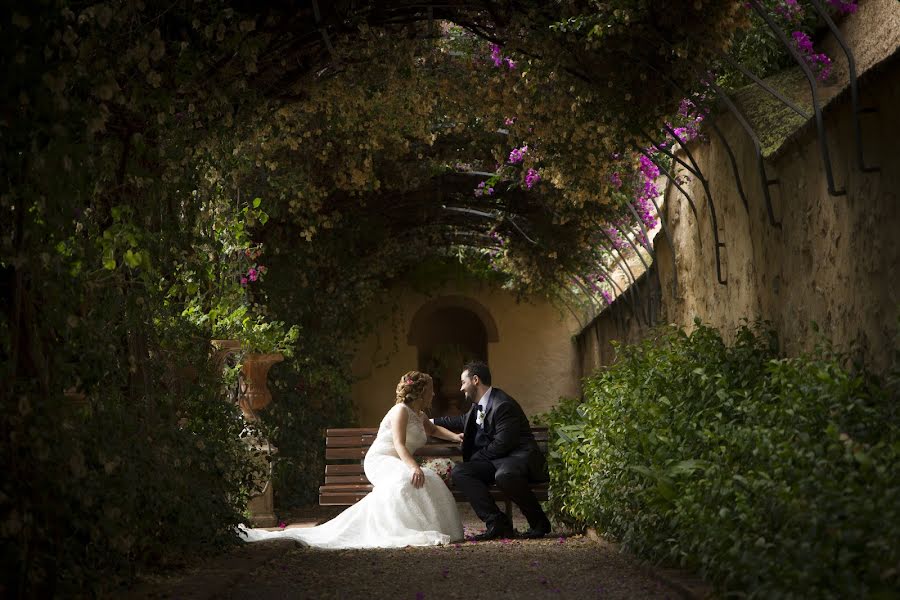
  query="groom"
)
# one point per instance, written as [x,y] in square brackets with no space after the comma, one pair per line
[498,447]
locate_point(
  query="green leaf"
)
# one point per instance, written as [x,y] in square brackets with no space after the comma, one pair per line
[132,259]
[665,489]
[257,202]
[686,467]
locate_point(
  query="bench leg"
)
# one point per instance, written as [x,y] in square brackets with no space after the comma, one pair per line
[509,510]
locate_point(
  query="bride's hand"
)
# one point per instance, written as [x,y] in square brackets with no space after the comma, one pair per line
[418,477]
[458,437]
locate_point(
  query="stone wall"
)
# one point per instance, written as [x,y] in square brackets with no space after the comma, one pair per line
[627,320]
[532,354]
[833,261]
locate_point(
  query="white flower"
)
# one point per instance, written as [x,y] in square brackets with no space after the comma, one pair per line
[441,466]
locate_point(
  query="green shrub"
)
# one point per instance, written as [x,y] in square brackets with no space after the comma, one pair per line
[769,476]
[139,469]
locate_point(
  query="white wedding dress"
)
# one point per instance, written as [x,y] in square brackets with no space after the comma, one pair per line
[394,514]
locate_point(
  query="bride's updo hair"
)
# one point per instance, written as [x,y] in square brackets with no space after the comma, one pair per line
[412,386]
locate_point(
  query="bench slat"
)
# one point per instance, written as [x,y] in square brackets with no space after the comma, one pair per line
[353,469]
[334,453]
[346,484]
[343,488]
[540,433]
[343,498]
[343,479]
[339,432]
[347,441]
[339,499]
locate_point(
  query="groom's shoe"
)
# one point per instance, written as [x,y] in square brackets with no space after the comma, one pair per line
[537,531]
[501,528]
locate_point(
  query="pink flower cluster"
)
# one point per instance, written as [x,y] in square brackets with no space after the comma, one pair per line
[531,178]
[594,280]
[844,6]
[617,240]
[518,154]
[790,10]
[499,59]
[816,61]
[509,120]
[616,180]
[253,274]
[643,203]
[608,298]
[481,190]
[691,129]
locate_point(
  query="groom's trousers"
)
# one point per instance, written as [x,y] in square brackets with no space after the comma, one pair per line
[473,478]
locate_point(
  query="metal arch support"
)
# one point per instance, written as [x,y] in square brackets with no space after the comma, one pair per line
[668,234]
[760,163]
[712,207]
[631,290]
[622,256]
[854,86]
[633,286]
[820,122]
[631,295]
[635,248]
[684,193]
[323,30]
[646,244]
[734,165]
[675,182]
[731,158]
[778,95]
[595,306]
[670,154]
[663,169]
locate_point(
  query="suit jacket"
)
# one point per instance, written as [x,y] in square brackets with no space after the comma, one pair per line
[509,434]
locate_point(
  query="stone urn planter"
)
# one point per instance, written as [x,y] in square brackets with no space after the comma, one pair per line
[255,394]
[224,349]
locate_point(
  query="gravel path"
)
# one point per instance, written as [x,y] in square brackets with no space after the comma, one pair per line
[562,565]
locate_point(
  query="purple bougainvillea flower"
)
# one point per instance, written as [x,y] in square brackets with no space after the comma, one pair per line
[282,524]
[243,282]
[517,155]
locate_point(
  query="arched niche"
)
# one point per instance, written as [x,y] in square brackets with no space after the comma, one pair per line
[448,332]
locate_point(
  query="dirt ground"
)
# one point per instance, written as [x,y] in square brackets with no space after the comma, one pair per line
[562,565]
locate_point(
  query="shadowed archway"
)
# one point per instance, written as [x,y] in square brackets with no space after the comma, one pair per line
[448,332]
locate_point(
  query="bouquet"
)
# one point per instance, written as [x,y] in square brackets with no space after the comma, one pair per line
[441,466]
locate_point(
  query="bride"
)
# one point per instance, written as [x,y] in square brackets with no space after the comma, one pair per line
[409,505]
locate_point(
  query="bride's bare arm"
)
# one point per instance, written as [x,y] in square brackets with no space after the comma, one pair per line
[441,432]
[398,432]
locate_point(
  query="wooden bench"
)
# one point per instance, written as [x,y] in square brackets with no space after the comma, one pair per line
[346,482]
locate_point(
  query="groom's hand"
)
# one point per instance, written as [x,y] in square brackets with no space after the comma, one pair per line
[458,437]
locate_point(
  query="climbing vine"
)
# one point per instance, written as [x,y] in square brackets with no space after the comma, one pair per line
[175,172]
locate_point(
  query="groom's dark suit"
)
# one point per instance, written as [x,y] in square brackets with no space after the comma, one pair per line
[502,451]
